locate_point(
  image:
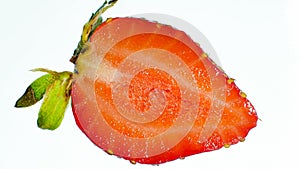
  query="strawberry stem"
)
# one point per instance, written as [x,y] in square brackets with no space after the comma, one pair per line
[90,27]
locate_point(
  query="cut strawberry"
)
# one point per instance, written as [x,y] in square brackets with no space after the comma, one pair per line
[148,93]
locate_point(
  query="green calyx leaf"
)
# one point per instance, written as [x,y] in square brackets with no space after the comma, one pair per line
[35,91]
[55,102]
[90,27]
[56,88]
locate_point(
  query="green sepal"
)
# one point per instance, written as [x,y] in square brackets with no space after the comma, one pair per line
[90,27]
[55,102]
[35,91]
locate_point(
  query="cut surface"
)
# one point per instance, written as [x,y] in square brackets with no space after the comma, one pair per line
[146,92]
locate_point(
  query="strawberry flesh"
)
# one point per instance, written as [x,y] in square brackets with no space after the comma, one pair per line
[148,93]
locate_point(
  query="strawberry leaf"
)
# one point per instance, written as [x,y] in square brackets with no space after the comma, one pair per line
[35,91]
[55,102]
[56,86]
[90,27]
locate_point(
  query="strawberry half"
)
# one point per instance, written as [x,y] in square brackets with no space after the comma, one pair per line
[148,93]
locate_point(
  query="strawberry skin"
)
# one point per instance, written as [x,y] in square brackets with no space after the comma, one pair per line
[147,93]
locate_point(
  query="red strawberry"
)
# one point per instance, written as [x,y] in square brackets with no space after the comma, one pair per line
[146,92]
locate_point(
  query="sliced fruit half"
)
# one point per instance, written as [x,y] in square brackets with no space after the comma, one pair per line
[146,92]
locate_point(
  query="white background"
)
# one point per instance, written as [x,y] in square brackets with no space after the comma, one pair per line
[257,42]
